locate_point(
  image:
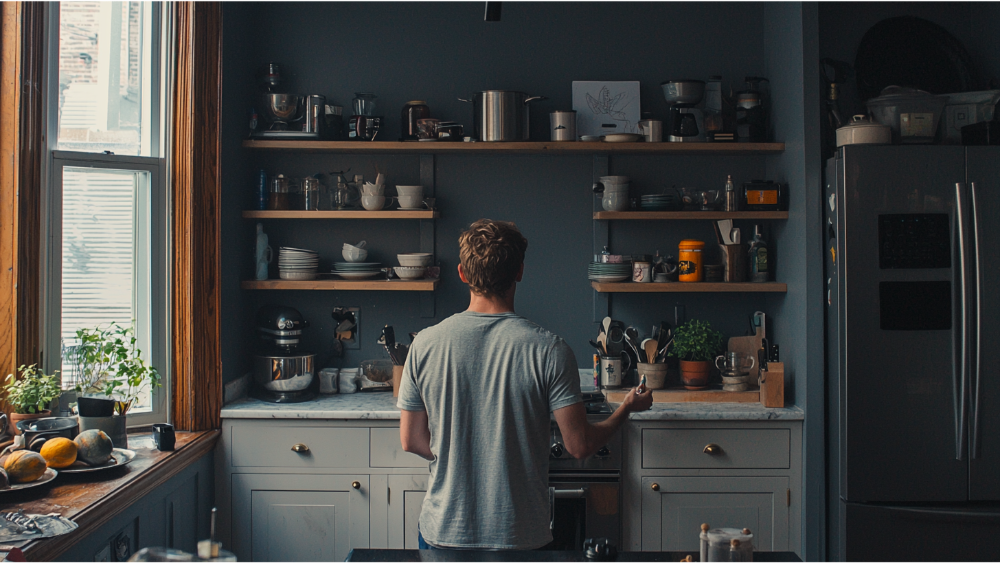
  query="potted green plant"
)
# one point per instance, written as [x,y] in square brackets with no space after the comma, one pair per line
[695,346]
[31,394]
[113,375]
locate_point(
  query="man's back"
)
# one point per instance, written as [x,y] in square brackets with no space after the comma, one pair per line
[488,383]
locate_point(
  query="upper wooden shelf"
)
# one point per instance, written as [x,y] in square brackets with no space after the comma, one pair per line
[674,215]
[519,147]
[690,287]
[344,285]
[384,214]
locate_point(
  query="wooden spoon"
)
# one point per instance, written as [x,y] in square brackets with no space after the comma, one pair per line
[602,339]
[649,345]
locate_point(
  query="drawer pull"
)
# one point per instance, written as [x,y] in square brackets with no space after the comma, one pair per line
[300,448]
[356,484]
[655,487]
[712,449]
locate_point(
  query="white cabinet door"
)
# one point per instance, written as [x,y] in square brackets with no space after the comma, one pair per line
[299,517]
[406,495]
[674,508]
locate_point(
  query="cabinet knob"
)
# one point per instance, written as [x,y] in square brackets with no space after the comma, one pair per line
[712,449]
[300,448]
[356,484]
[655,486]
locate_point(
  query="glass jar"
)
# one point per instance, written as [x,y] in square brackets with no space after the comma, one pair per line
[310,194]
[279,197]
[412,111]
[364,103]
[689,260]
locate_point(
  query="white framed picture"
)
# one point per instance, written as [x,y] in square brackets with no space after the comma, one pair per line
[603,108]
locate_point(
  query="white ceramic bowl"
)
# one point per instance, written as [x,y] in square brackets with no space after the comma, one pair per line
[409,272]
[373,202]
[410,202]
[415,259]
[417,191]
[355,254]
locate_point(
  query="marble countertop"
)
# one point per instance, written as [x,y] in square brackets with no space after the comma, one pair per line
[382,406]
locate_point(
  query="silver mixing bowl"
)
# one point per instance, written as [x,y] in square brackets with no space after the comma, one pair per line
[281,107]
[688,92]
[284,374]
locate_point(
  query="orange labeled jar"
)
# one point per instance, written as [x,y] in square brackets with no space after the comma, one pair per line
[689,260]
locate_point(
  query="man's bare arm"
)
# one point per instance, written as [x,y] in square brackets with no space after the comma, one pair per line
[415,434]
[581,438]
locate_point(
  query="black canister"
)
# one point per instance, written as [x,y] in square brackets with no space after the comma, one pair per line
[412,111]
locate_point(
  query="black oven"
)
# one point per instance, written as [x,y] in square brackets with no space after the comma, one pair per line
[585,494]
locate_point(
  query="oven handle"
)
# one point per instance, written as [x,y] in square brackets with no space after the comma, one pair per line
[562,493]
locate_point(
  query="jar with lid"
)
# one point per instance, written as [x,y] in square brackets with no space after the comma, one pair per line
[279,197]
[730,544]
[689,264]
[412,111]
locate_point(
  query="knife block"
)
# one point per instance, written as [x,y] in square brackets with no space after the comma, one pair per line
[397,377]
[772,385]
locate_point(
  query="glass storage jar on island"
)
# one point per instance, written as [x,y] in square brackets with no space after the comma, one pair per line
[690,260]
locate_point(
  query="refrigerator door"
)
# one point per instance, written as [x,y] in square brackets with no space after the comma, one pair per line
[902,394]
[921,533]
[984,175]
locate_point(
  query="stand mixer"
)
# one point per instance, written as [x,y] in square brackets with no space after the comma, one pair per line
[687,122]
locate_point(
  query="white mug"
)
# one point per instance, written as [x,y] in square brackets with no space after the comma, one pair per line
[373,202]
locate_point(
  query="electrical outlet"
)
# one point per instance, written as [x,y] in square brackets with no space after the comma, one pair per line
[348,326]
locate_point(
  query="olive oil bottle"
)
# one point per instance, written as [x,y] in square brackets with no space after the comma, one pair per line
[760,267]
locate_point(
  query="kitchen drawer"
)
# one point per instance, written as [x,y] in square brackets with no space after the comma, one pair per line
[271,446]
[387,450]
[736,448]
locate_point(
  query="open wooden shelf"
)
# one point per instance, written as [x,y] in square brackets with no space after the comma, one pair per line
[690,287]
[384,214]
[674,215]
[520,147]
[344,285]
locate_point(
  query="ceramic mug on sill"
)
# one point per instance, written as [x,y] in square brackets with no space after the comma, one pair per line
[164,437]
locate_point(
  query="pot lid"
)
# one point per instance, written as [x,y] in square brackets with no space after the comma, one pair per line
[862,122]
[47,424]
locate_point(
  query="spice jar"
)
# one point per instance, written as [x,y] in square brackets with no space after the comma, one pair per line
[690,260]
[413,111]
[280,193]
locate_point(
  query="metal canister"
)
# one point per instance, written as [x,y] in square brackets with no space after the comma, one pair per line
[563,125]
[315,120]
[310,194]
[690,260]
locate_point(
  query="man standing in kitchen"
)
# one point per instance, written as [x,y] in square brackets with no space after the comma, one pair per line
[476,394]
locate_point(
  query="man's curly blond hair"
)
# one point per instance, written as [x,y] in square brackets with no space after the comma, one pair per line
[492,253]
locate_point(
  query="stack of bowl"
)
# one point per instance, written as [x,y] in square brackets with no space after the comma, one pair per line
[615,196]
[355,252]
[297,263]
[373,196]
[411,198]
[413,265]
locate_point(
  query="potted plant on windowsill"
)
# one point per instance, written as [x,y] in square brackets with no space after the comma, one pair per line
[695,346]
[113,375]
[31,394]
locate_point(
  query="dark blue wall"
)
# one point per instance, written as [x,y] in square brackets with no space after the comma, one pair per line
[438,52]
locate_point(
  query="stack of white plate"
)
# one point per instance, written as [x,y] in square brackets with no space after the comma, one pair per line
[297,263]
[609,272]
[357,270]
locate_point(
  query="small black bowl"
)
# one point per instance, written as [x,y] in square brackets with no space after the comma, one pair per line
[95,406]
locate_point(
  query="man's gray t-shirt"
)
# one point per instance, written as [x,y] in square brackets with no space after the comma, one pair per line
[488,383]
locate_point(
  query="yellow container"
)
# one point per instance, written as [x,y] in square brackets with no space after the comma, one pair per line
[689,260]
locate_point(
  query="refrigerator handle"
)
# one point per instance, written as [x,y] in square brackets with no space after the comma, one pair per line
[977,311]
[960,376]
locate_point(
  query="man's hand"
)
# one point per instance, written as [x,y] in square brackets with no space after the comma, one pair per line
[638,399]
[414,434]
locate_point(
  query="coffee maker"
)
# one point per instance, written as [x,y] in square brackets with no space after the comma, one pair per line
[687,123]
[281,372]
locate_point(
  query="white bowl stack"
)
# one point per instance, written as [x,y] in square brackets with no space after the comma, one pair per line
[297,263]
[413,265]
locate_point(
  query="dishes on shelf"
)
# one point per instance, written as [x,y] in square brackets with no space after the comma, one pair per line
[670,201]
[410,272]
[297,263]
[415,259]
[622,138]
[607,272]
[357,270]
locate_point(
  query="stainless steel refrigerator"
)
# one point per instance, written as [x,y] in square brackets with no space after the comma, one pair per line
[913,371]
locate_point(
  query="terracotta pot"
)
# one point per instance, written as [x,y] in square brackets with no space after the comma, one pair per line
[694,375]
[15,418]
